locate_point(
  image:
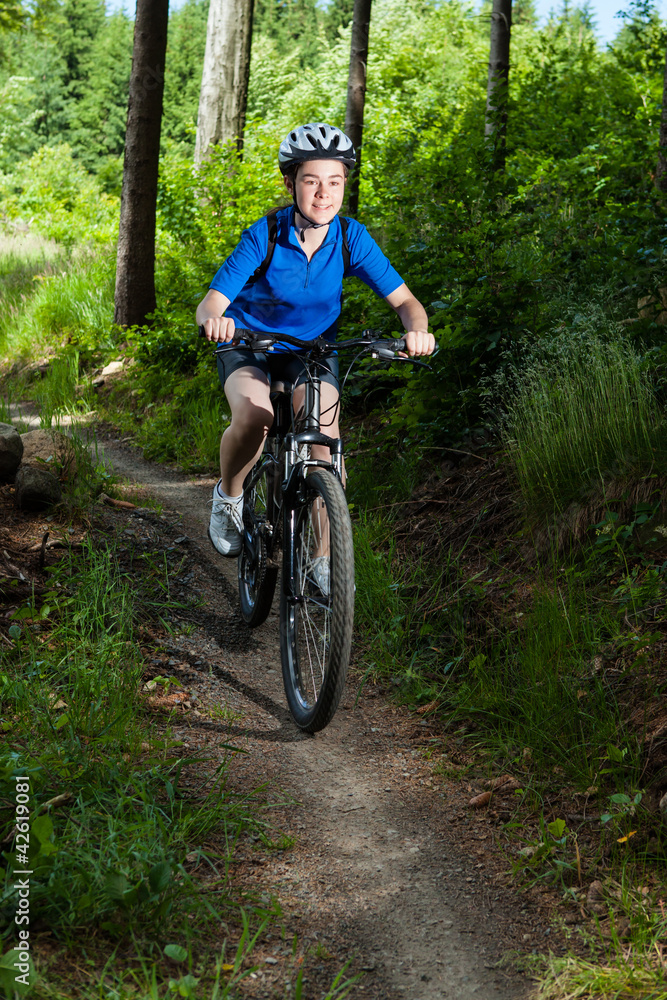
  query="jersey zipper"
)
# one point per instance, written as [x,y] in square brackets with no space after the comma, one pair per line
[308,263]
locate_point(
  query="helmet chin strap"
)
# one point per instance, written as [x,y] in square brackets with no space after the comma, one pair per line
[311,224]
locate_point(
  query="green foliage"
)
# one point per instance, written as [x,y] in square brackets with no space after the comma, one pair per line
[59,198]
[186,41]
[293,26]
[17,115]
[584,421]
[98,119]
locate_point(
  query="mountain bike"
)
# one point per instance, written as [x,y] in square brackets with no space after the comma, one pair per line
[295,512]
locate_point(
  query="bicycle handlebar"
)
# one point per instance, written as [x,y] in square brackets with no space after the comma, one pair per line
[383,347]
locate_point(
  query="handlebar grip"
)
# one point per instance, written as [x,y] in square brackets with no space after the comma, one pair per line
[388,349]
[238,335]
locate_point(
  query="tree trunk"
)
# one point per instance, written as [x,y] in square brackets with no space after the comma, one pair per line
[224,85]
[135,266]
[661,169]
[356,93]
[495,129]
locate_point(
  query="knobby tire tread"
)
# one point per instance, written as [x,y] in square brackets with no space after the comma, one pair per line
[329,487]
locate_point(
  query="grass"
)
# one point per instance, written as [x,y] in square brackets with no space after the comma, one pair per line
[525,682]
[22,260]
[584,416]
[174,418]
[112,823]
[49,299]
[631,961]
[59,393]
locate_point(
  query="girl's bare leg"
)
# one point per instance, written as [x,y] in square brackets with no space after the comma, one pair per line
[247,391]
[329,425]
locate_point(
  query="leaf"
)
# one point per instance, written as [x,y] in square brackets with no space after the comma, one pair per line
[42,828]
[186,986]
[623,840]
[15,632]
[130,896]
[175,952]
[10,984]
[159,876]
[557,828]
[62,721]
[115,885]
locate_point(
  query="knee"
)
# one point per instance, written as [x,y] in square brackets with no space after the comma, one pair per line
[252,419]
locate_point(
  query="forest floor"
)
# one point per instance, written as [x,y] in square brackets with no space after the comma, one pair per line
[384,862]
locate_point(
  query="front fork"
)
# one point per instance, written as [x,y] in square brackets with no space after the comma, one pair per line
[295,495]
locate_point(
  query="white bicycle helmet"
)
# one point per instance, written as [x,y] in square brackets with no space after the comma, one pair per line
[317,141]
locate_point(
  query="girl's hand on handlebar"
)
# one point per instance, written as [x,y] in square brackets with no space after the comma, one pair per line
[219,329]
[418,342]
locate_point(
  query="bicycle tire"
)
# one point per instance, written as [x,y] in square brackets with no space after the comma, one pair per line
[257,573]
[316,629]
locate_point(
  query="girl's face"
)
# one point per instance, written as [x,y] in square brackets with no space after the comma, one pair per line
[320,188]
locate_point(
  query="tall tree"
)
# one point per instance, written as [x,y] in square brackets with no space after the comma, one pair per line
[495,128]
[338,15]
[294,25]
[224,86]
[135,267]
[185,58]
[356,92]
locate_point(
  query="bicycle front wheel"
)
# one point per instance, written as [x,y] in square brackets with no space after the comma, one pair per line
[257,569]
[317,616]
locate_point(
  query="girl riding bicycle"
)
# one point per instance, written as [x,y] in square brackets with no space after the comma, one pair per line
[299,293]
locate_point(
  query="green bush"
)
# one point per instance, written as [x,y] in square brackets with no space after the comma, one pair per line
[53,193]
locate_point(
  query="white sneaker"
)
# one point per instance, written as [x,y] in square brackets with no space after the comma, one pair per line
[226,525]
[319,571]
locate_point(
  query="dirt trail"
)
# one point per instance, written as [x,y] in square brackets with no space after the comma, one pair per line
[387,865]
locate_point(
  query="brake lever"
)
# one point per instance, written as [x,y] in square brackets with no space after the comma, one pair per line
[386,354]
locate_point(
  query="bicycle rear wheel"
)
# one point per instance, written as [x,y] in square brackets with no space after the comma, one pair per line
[256,568]
[316,621]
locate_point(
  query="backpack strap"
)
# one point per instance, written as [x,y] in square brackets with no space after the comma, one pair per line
[260,271]
[346,246]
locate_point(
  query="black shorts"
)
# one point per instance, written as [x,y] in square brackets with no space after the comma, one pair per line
[279,366]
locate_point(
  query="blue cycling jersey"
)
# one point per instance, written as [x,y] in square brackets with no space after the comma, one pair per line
[298,296]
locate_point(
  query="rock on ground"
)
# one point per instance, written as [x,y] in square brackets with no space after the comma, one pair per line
[36,488]
[11,451]
[48,446]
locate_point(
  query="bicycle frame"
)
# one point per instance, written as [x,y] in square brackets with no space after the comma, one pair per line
[294,469]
